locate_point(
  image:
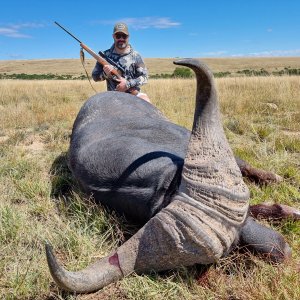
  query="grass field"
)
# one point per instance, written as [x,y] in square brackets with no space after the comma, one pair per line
[154,65]
[41,201]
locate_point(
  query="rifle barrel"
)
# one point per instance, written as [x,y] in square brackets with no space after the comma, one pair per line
[68,32]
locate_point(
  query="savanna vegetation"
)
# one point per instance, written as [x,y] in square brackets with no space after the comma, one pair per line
[41,201]
[156,66]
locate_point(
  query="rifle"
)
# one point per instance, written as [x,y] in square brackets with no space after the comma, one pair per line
[103,59]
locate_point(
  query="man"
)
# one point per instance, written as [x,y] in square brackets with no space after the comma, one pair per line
[122,53]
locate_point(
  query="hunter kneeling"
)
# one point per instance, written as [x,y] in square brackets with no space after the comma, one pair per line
[130,61]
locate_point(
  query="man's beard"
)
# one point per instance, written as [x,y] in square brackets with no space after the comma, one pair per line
[121,45]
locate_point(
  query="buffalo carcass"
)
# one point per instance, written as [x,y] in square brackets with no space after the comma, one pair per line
[186,188]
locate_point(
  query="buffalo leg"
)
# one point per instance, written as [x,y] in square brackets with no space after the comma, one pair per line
[257,175]
[264,241]
[274,212]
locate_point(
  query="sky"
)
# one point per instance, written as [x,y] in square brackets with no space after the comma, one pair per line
[236,28]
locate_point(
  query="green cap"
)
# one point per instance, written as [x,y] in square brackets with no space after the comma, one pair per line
[121,27]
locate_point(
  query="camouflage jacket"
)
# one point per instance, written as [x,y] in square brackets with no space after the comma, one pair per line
[136,73]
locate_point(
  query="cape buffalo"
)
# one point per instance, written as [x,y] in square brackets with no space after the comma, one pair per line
[185,188]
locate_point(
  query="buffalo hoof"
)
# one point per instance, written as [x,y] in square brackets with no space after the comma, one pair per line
[264,241]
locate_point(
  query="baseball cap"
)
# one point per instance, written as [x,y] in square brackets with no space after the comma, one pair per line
[121,27]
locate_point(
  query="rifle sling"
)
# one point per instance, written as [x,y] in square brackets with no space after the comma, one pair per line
[82,62]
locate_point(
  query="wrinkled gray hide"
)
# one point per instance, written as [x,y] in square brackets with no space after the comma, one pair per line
[127,154]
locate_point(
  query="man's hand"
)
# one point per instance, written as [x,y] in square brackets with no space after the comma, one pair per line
[107,70]
[121,87]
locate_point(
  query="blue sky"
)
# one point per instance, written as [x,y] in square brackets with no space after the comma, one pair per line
[157,28]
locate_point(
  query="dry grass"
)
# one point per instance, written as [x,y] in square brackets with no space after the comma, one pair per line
[155,65]
[40,200]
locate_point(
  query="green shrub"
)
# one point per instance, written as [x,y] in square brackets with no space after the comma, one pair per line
[180,72]
[247,72]
[222,74]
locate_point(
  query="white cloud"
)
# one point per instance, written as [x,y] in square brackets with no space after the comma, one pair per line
[237,55]
[150,22]
[215,53]
[13,33]
[15,56]
[271,53]
[276,53]
[146,22]
[15,30]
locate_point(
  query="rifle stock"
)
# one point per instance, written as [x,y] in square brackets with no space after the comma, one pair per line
[100,60]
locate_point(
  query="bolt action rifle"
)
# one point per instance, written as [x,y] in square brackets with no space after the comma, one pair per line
[102,59]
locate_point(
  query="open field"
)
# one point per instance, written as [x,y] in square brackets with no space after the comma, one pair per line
[41,201]
[155,65]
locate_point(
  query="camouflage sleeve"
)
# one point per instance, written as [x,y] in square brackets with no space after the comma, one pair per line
[141,74]
[98,73]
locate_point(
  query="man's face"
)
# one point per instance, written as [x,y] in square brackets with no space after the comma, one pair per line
[121,40]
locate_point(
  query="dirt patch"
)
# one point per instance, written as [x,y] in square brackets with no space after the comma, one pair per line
[290,133]
[36,146]
[32,144]
[3,138]
[112,291]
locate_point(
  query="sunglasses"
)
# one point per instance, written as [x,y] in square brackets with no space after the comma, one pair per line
[121,36]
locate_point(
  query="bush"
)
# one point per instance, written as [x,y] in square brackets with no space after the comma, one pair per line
[247,72]
[182,73]
[222,74]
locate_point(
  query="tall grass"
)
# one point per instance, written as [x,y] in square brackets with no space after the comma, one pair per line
[40,200]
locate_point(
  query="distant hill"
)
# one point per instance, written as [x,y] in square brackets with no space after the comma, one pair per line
[154,65]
